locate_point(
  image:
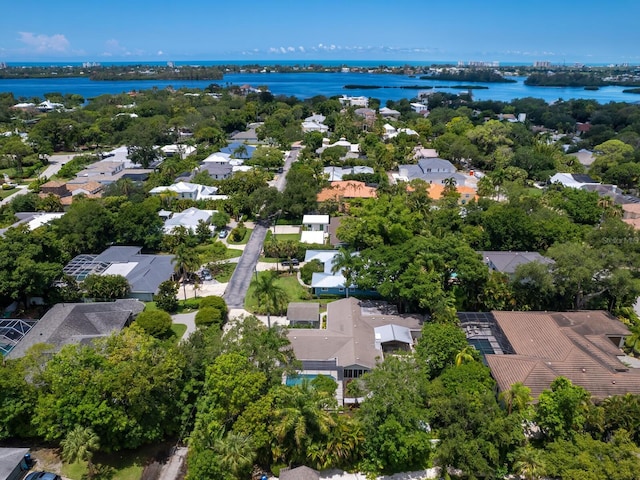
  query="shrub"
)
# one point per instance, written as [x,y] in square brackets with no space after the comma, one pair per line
[209,316]
[238,233]
[156,323]
[190,303]
[214,301]
[309,268]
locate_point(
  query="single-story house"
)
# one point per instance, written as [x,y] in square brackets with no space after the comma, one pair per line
[305,314]
[12,463]
[573,180]
[69,323]
[299,473]
[357,336]
[329,283]
[189,219]
[183,151]
[335,174]
[386,112]
[239,150]
[33,220]
[535,348]
[353,149]
[507,262]
[313,237]
[144,272]
[189,191]
[346,189]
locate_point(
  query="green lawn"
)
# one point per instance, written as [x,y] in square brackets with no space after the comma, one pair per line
[295,291]
[178,330]
[117,466]
[282,237]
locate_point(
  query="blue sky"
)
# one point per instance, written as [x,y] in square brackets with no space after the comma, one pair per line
[585,31]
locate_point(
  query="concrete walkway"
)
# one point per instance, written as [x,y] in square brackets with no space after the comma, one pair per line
[171,469]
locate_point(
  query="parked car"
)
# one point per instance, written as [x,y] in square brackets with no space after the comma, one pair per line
[223,234]
[206,275]
[42,476]
[294,262]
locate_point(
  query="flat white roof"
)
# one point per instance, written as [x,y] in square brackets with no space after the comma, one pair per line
[312,237]
[315,220]
[123,269]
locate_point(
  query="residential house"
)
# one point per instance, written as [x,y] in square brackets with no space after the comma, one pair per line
[572,180]
[420,152]
[420,108]
[32,220]
[249,136]
[358,335]
[67,191]
[316,223]
[13,463]
[354,101]
[299,473]
[329,283]
[535,348]
[335,174]
[315,229]
[189,219]
[217,171]
[467,194]
[69,323]
[433,170]
[144,272]
[367,114]
[386,112]
[584,157]
[315,123]
[353,149]
[189,191]
[345,189]
[183,151]
[239,150]
[304,314]
[508,262]
[48,106]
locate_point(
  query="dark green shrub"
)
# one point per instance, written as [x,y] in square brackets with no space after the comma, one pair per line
[156,323]
[309,268]
[213,301]
[209,316]
[167,299]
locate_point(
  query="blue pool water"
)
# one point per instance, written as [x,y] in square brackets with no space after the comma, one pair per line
[298,379]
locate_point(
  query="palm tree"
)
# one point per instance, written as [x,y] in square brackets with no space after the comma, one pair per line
[466,355]
[633,341]
[345,263]
[270,295]
[235,453]
[186,262]
[79,445]
[517,398]
[529,463]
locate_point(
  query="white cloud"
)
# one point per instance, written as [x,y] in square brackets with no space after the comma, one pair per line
[45,43]
[291,49]
[301,48]
[160,53]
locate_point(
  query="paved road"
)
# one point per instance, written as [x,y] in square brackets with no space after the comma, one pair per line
[241,278]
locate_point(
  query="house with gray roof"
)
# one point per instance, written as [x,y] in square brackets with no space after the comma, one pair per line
[299,473]
[357,337]
[507,262]
[239,150]
[431,170]
[189,219]
[144,272]
[217,171]
[69,323]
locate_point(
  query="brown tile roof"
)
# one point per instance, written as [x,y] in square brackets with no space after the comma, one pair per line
[90,186]
[576,345]
[346,189]
[53,184]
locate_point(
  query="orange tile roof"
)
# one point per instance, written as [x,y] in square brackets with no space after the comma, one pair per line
[346,189]
[436,190]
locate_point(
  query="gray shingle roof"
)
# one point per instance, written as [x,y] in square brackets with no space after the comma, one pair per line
[10,458]
[507,262]
[303,312]
[78,323]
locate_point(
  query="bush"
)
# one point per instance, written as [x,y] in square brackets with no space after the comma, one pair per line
[209,316]
[214,301]
[309,268]
[190,303]
[238,233]
[6,186]
[156,323]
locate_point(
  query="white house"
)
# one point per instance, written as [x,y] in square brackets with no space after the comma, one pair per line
[419,108]
[182,150]
[354,101]
[316,223]
[573,180]
[189,219]
[189,191]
